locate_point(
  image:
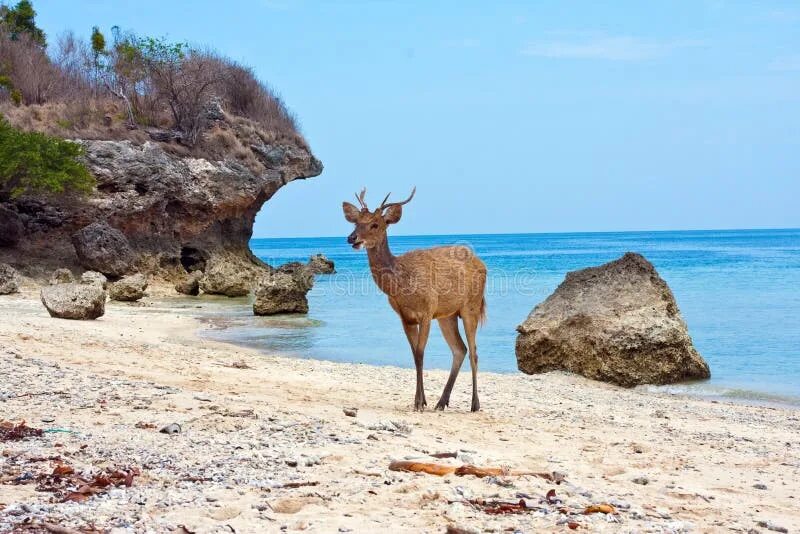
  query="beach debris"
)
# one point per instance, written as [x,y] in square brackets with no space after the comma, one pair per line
[769,525]
[144,426]
[292,485]
[172,428]
[444,455]
[502,507]
[69,486]
[599,509]
[350,412]
[467,469]
[399,427]
[10,431]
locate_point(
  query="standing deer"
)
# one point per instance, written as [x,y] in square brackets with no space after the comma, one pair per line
[442,283]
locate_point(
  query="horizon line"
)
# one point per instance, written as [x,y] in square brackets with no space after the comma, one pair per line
[763,229]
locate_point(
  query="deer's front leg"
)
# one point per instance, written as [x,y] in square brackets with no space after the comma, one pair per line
[418,337]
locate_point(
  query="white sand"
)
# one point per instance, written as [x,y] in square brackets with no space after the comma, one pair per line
[242,428]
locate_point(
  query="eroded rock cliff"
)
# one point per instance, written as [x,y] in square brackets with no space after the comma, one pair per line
[176,212]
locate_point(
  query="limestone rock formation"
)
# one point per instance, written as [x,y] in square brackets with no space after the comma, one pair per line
[291,267]
[319,264]
[618,323]
[189,284]
[8,279]
[176,212]
[128,289]
[93,277]
[283,292]
[105,249]
[74,301]
[61,276]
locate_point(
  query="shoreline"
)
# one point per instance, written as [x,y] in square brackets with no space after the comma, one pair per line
[254,422]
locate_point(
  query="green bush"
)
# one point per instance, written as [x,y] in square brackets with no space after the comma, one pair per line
[32,162]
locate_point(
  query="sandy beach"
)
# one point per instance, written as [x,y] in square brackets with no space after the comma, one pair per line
[265,445]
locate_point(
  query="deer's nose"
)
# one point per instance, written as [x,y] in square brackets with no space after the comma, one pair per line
[351,238]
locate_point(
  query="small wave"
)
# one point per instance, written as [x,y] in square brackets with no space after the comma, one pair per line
[733,394]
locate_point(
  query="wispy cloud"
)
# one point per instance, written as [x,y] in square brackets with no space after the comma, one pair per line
[786,64]
[609,48]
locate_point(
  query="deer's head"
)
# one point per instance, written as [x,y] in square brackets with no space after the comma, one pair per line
[371,226]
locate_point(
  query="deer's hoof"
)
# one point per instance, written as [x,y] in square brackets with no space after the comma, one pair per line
[441,405]
[476,405]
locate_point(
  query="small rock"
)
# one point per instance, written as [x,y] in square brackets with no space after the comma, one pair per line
[641,480]
[769,525]
[8,279]
[93,277]
[61,276]
[128,289]
[48,419]
[350,412]
[172,428]
[760,486]
[190,284]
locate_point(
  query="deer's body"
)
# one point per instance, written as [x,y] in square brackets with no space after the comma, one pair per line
[442,283]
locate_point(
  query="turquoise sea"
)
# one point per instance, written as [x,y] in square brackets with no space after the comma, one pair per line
[738,290]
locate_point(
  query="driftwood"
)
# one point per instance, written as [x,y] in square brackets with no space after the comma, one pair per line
[467,469]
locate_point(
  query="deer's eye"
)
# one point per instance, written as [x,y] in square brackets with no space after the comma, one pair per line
[374,226]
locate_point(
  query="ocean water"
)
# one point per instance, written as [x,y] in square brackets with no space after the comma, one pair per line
[739,292]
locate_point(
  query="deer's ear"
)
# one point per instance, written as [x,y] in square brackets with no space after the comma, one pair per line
[393,214]
[350,212]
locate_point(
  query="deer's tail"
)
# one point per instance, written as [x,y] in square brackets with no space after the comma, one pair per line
[482,316]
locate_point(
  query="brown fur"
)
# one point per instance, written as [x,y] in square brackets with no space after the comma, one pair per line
[442,283]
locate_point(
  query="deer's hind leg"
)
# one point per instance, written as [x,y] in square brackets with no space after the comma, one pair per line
[449,327]
[470,330]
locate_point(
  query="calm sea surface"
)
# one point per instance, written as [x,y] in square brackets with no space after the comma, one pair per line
[739,292]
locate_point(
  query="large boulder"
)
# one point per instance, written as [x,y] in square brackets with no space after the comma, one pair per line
[128,289]
[74,301]
[11,228]
[226,278]
[617,323]
[8,279]
[282,292]
[189,284]
[319,264]
[101,247]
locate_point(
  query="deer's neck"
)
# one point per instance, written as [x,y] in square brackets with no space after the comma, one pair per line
[381,263]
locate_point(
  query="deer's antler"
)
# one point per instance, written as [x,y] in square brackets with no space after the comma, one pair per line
[360,198]
[384,205]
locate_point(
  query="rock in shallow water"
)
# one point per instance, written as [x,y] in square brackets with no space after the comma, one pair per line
[617,323]
[8,279]
[128,289]
[281,292]
[319,264]
[190,284]
[74,301]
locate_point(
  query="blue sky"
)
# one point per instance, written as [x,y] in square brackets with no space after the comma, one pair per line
[515,117]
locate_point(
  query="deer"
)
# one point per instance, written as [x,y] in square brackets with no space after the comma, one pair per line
[443,283]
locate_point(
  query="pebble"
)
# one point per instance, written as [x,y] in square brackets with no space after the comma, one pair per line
[641,480]
[760,486]
[769,525]
[172,428]
[48,419]
[350,412]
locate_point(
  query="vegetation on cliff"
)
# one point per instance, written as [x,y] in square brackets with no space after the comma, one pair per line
[33,162]
[122,85]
